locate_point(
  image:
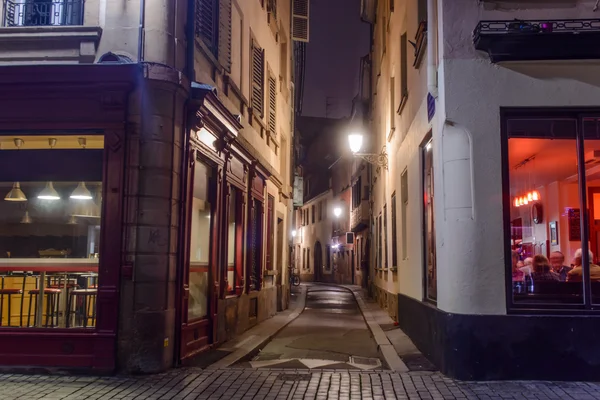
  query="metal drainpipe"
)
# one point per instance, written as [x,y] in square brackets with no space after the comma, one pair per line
[141,30]
[432,81]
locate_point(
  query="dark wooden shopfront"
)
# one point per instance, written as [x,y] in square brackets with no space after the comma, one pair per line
[61,101]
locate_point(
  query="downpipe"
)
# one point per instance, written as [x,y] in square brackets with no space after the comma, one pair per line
[141,30]
[432,81]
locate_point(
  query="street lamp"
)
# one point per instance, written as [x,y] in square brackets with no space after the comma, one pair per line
[294,233]
[356,141]
[337,212]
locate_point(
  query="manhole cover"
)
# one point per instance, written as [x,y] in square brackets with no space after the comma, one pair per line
[294,377]
[365,361]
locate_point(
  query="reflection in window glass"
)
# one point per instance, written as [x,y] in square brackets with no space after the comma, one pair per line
[50,213]
[545,219]
[231,239]
[200,239]
[591,128]
[429,223]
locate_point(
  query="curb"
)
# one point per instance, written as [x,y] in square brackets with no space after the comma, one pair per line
[252,345]
[386,349]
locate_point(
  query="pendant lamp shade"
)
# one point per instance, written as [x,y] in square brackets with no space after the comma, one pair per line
[16,194]
[49,193]
[81,192]
[26,218]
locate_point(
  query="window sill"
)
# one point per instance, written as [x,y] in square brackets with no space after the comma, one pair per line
[420,43]
[403,102]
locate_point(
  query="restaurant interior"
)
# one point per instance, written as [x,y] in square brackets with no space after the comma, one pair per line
[545,213]
[50,213]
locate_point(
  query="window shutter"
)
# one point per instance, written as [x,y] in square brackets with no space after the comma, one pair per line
[206,26]
[225,34]
[272,104]
[300,20]
[258,55]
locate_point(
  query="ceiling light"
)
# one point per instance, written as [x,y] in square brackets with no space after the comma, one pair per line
[16,194]
[26,218]
[49,193]
[81,192]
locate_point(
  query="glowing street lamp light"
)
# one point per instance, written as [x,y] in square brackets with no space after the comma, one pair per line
[337,212]
[294,233]
[355,140]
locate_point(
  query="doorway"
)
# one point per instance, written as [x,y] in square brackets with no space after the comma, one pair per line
[199,297]
[318,262]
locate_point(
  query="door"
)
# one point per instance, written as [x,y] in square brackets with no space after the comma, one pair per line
[318,261]
[198,300]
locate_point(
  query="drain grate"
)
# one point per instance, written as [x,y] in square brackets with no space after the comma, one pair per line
[365,361]
[294,377]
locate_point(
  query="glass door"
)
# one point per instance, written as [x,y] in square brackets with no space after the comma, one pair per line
[200,264]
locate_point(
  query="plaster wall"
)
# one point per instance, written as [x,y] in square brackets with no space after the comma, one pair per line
[474,91]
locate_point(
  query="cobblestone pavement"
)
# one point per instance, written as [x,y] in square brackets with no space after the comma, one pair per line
[242,384]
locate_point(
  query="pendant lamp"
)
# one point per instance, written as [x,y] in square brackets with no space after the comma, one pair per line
[49,193]
[16,194]
[81,192]
[26,218]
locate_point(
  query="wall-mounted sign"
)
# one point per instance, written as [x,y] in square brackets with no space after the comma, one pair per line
[298,191]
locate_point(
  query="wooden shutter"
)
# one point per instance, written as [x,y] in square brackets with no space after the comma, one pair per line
[225,34]
[272,8]
[206,23]
[272,104]
[258,91]
[300,20]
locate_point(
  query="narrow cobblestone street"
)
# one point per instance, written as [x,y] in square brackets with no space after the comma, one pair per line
[309,359]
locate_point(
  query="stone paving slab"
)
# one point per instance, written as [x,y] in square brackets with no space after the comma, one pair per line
[239,384]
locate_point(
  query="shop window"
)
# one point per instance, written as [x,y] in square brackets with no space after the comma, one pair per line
[234,239]
[50,227]
[256,244]
[385,232]
[394,233]
[270,231]
[200,241]
[404,212]
[430,264]
[552,176]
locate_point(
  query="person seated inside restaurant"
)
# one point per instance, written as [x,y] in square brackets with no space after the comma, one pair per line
[557,262]
[542,271]
[576,274]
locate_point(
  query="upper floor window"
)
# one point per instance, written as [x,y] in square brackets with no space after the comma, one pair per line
[356,193]
[43,12]
[257,96]
[213,29]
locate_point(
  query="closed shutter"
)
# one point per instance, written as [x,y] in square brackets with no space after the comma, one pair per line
[258,84]
[206,23]
[300,20]
[225,34]
[272,104]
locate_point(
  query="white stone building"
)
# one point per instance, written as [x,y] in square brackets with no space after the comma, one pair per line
[481,104]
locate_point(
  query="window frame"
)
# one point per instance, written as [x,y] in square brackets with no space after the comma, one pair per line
[578,114]
[394,216]
[423,149]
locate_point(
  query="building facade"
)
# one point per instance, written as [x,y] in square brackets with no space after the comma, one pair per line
[488,112]
[146,153]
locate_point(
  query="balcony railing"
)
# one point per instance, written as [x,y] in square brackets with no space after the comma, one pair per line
[520,40]
[359,217]
[42,12]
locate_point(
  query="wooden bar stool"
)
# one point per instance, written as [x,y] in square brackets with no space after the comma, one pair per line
[84,299]
[8,292]
[52,303]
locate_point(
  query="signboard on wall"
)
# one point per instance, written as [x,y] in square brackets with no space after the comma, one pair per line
[298,191]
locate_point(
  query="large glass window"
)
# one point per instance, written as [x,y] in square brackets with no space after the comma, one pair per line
[50,233]
[554,183]
[429,223]
[200,240]
[234,238]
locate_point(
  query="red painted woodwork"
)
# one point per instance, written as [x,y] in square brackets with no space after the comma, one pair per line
[68,100]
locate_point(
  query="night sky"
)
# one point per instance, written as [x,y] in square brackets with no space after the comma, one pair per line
[338,39]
